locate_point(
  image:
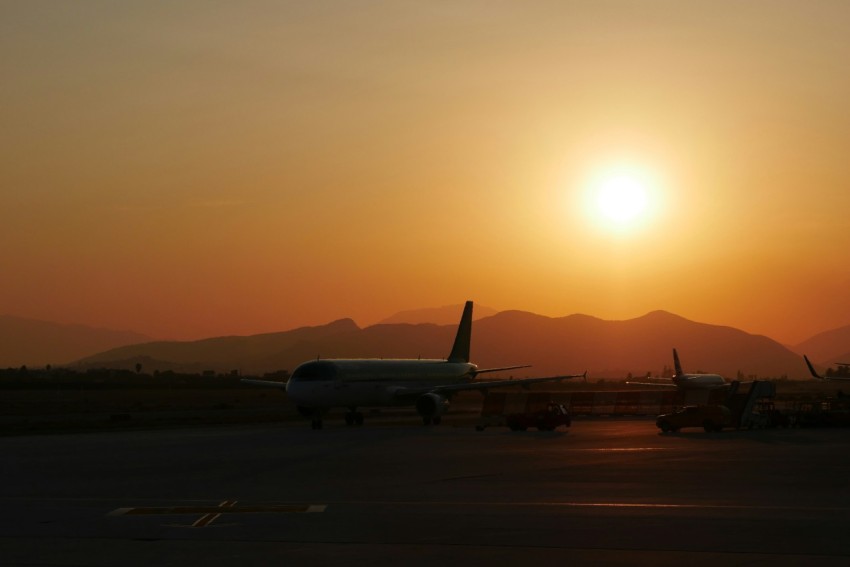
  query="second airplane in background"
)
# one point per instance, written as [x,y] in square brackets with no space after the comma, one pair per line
[685,381]
[825,378]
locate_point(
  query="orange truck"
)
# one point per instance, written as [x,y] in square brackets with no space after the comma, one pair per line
[521,411]
[554,416]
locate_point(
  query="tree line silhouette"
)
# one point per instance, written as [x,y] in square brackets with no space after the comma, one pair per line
[108,378]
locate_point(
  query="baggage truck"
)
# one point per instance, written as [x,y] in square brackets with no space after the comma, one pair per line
[520,411]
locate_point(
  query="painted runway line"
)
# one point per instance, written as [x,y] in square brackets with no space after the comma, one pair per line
[211,513]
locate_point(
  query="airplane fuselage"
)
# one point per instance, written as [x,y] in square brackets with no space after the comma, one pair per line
[699,381]
[370,382]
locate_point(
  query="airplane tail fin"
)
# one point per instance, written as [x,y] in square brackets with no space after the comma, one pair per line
[676,364]
[460,350]
[812,368]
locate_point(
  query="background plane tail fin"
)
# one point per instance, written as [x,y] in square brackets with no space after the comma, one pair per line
[812,368]
[460,350]
[676,364]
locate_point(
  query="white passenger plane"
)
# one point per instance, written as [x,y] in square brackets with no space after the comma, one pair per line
[688,381]
[825,378]
[318,385]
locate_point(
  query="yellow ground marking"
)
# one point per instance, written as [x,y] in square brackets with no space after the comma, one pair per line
[211,513]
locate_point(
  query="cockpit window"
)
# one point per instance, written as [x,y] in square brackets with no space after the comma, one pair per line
[315,371]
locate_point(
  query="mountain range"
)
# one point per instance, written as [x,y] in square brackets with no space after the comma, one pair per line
[828,347]
[39,343]
[446,315]
[571,344]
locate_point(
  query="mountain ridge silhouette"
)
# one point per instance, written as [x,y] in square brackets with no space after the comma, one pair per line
[33,342]
[569,344]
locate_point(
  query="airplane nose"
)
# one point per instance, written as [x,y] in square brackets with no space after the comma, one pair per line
[293,390]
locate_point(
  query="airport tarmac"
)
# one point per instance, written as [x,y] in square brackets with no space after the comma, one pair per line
[607,491]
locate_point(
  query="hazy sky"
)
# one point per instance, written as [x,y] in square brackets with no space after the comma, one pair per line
[188,169]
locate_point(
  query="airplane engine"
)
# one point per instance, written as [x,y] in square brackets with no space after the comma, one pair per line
[431,406]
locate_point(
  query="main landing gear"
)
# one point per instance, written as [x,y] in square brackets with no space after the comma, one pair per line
[353,417]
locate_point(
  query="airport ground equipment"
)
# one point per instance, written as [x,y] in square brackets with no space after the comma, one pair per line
[746,405]
[709,417]
[554,416]
[751,407]
[831,412]
[520,412]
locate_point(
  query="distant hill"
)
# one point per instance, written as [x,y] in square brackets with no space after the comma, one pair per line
[844,357]
[252,354]
[828,347]
[641,345]
[447,315]
[569,344]
[38,343]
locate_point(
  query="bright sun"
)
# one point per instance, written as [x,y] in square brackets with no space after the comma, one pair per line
[620,199]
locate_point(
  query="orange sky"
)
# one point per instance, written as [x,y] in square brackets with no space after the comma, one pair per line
[193,169]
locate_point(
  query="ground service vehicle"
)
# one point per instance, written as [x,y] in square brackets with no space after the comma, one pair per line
[709,417]
[554,415]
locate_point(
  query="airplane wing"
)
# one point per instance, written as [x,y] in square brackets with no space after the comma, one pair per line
[482,385]
[671,385]
[485,370]
[267,383]
[656,384]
